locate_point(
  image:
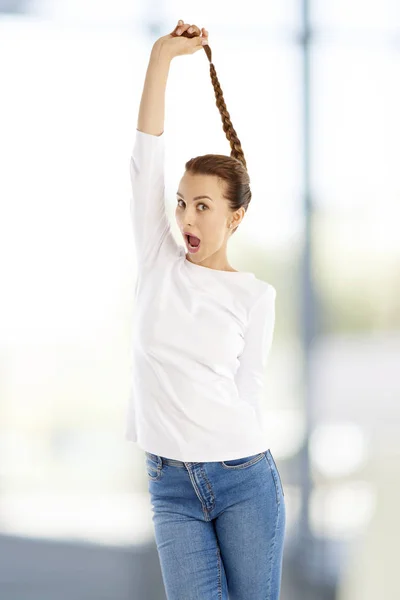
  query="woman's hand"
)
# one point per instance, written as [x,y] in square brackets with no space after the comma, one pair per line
[184,39]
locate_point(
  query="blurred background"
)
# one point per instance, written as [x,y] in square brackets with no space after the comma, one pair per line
[313,91]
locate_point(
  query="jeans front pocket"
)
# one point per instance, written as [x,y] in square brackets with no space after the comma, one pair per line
[154,466]
[242,463]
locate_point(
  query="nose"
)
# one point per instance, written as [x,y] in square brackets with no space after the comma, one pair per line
[189,219]
[186,217]
[190,227]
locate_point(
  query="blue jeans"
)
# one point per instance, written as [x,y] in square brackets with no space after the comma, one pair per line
[219,527]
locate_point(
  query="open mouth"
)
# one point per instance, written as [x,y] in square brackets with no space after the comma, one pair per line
[192,242]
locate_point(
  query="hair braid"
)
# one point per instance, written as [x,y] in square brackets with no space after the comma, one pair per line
[236,147]
[231,169]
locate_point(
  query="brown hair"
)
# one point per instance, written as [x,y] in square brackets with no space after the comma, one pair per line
[231,169]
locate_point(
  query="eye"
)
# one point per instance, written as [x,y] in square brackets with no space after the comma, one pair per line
[200,204]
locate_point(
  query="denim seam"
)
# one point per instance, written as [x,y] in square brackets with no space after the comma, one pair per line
[205,512]
[274,478]
[208,484]
[271,553]
[219,573]
[279,475]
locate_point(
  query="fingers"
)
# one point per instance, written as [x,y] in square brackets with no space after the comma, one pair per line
[191,30]
[178,29]
[204,36]
[194,30]
[182,27]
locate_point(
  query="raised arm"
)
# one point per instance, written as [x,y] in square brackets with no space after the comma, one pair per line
[152,232]
[180,41]
[152,105]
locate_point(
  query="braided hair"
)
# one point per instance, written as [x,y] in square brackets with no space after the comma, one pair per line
[231,169]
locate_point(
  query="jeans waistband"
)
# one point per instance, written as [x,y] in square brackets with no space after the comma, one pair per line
[173,462]
[176,463]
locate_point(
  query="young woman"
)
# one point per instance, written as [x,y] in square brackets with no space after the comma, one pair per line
[202,335]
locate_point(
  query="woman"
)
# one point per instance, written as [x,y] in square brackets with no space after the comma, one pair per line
[203,332]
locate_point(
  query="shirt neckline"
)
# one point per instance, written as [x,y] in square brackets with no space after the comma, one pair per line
[193,266]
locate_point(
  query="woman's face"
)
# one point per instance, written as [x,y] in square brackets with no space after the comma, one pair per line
[207,218]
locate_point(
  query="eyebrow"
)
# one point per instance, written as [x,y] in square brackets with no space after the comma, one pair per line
[196,197]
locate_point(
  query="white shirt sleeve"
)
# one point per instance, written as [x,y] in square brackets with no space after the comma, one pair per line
[250,375]
[151,228]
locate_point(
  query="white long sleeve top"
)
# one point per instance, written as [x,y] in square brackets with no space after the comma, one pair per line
[201,337]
